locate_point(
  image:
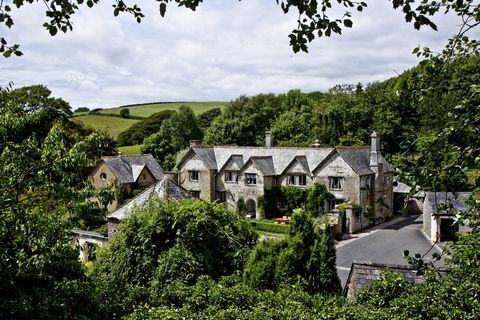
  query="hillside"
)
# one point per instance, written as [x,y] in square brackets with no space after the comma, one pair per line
[115,125]
[145,110]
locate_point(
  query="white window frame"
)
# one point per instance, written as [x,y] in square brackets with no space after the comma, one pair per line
[297,180]
[250,178]
[335,186]
[231,176]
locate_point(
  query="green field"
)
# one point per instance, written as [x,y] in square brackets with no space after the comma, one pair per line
[149,109]
[130,149]
[115,125]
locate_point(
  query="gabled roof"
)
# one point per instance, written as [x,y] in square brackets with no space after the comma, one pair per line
[456,199]
[235,158]
[128,168]
[264,164]
[302,160]
[217,157]
[357,158]
[164,189]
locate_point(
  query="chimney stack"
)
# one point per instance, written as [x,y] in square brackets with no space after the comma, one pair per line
[195,143]
[268,139]
[375,149]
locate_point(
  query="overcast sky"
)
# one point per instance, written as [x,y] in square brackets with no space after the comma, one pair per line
[224,49]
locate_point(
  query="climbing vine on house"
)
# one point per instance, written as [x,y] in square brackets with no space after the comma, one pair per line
[280,200]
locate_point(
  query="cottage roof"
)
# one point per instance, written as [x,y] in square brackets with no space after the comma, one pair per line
[358,158]
[456,199]
[164,189]
[264,164]
[128,168]
[216,157]
[302,160]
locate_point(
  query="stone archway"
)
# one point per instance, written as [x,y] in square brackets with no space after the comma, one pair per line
[251,208]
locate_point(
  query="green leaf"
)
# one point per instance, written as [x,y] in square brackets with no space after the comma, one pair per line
[163,8]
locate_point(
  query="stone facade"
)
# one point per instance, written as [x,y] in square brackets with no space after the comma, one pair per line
[126,174]
[229,173]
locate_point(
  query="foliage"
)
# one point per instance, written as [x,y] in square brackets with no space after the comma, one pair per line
[174,135]
[306,257]
[241,207]
[160,244]
[311,198]
[135,134]
[384,290]
[42,195]
[244,121]
[316,196]
[205,119]
[314,19]
[125,113]
[81,109]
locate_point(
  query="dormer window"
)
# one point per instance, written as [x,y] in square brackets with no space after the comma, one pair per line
[193,175]
[250,178]
[297,180]
[336,183]
[231,176]
[103,176]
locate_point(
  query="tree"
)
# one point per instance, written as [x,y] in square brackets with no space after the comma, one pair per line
[314,18]
[174,135]
[205,119]
[135,134]
[125,113]
[306,257]
[42,196]
[169,241]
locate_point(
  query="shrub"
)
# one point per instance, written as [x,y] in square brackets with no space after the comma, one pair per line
[125,113]
[270,227]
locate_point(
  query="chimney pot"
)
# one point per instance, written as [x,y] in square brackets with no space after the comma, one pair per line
[268,139]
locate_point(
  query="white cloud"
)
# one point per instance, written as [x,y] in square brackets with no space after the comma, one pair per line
[224,49]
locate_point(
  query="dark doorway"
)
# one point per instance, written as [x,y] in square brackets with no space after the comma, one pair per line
[448,230]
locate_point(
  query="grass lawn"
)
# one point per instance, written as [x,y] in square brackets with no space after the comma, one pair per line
[130,149]
[115,125]
[268,226]
[149,109]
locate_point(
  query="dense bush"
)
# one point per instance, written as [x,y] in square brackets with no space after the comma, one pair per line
[306,257]
[169,241]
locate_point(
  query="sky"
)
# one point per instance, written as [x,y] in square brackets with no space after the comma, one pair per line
[224,49]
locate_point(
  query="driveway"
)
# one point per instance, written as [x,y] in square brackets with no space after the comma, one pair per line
[385,243]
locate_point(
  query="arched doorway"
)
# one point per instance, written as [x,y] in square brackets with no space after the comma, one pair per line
[251,209]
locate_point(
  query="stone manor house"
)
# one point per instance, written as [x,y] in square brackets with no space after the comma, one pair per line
[358,175]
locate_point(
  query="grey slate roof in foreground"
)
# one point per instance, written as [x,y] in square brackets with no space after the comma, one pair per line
[128,168]
[163,189]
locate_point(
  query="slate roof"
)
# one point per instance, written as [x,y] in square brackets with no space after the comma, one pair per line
[217,157]
[359,159]
[264,164]
[303,162]
[164,189]
[457,200]
[128,168]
